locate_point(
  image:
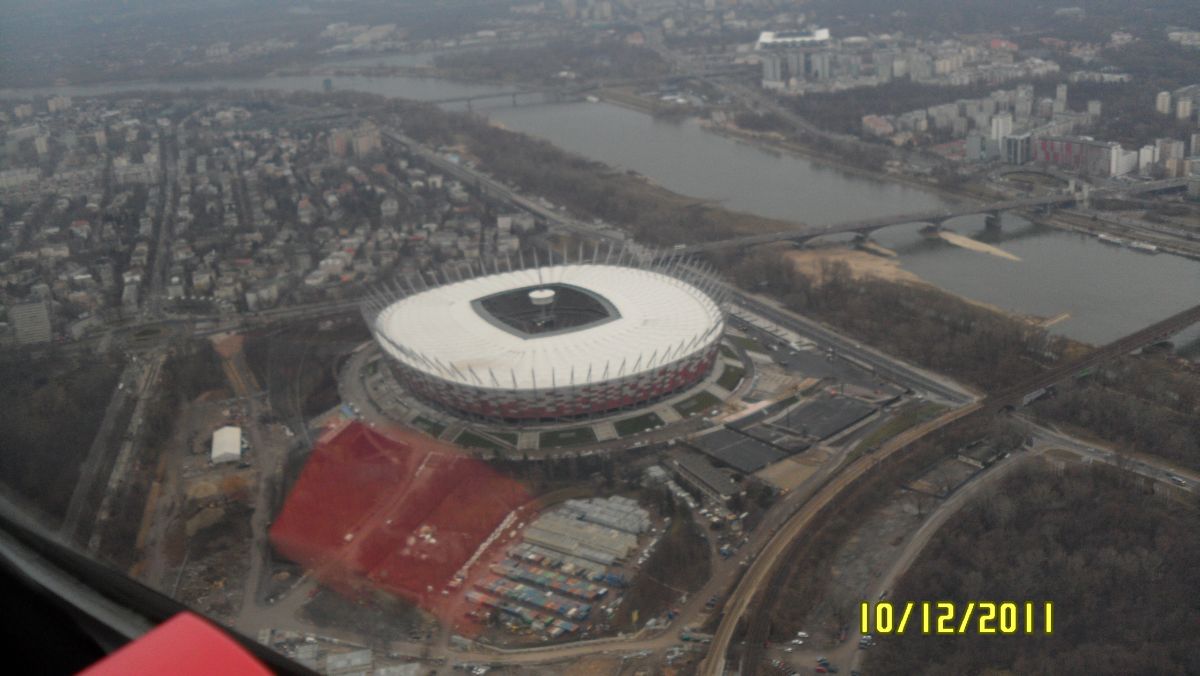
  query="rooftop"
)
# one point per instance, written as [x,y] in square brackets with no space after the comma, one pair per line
[621,321]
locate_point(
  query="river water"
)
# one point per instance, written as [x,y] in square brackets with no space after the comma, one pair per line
[1107,291]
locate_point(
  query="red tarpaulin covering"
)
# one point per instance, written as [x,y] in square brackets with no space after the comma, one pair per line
[399,512]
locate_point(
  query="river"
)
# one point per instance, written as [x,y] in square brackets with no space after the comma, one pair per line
[1106,291]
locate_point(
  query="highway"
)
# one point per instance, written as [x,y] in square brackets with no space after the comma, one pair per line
[883,365]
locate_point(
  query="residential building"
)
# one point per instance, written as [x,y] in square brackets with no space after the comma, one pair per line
[1162,103]
[1002,126]
[1183,109]
[30,322]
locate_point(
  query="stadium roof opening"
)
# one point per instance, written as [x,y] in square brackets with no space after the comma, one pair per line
[545,309]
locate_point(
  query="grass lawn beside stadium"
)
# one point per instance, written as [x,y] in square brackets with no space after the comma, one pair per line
[574,436]
[730,377]
[469,439]
[697,404]
[431,427]
[637,424]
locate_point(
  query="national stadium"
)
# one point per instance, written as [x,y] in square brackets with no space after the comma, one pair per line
[540,343]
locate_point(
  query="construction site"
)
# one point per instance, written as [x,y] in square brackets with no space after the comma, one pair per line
[402,513]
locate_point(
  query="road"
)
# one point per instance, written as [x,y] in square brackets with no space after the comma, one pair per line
[269,458]
[497,190]
[120,466]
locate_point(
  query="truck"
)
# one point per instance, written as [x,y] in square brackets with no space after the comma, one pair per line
[1032,396]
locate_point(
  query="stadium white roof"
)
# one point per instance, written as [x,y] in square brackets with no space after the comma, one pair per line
[440,332]
[227,444]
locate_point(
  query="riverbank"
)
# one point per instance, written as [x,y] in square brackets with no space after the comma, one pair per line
[865,264]
[1082,225]
[773,143]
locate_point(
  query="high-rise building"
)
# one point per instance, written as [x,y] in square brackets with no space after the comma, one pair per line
[1162,103]
[1183,109]
[31,322]
[339,144]
[820,65]
[1060,94]
[1195,146]
[1147,158]
[1082,154]
[795,64]
[772,73]
[1169,148]
[1094,108]
[1017,149]
[1002,126]
[367,140]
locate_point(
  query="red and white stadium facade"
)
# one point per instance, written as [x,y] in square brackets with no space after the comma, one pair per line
[657,334]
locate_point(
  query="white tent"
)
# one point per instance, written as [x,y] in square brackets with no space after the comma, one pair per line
[227,445]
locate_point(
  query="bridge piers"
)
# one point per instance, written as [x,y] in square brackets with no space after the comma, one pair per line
[934,227]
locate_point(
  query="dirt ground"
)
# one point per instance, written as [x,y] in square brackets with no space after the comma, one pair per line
[861,263]
[788,473]
[975,245]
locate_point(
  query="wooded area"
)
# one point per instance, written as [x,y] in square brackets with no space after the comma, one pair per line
[53,406]
[1117,561]
[913,321]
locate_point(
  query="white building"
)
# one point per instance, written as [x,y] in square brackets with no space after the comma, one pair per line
[1162,103]
[227,445]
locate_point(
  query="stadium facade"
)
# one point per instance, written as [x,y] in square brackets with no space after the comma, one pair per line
[528,343]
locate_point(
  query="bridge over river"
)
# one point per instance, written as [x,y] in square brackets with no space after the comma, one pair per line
[936,217]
